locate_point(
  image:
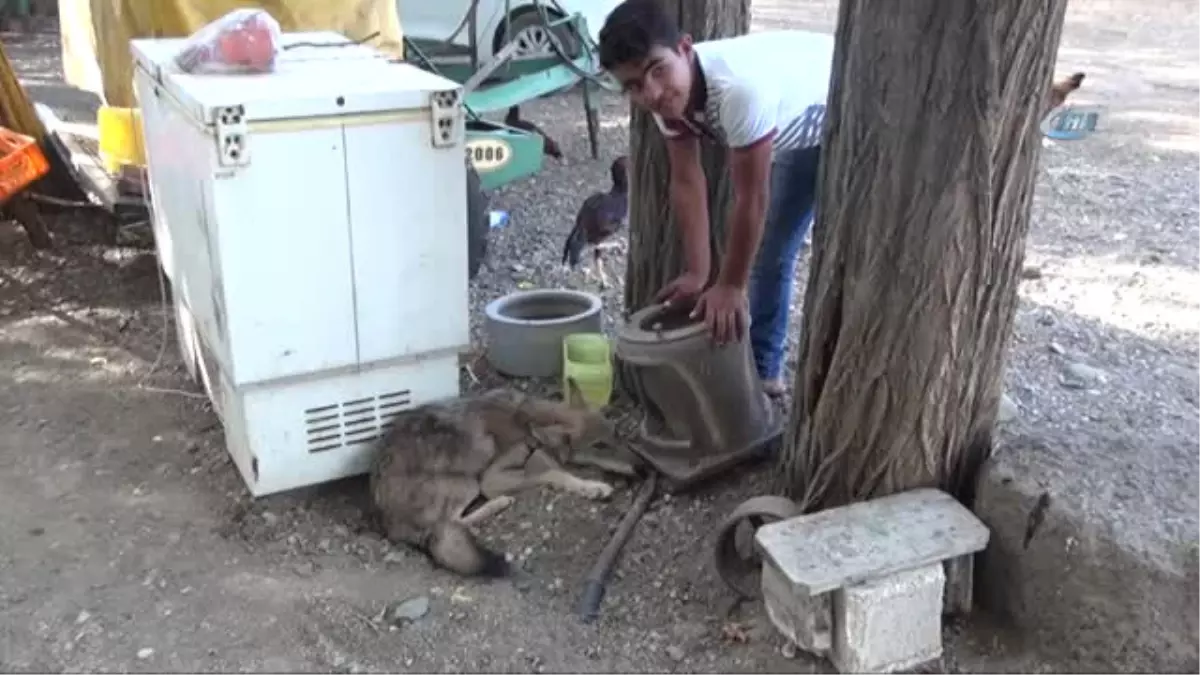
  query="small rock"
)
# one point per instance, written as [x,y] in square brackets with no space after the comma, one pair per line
[675,653]
[1008,409]
[409,610]
[83,616]
[269,518]
[760,632]
[1081,376]
[393,557]
[1056,348]
[145,653]
[689,631]
[1031,272]
[305,569]
[788,650]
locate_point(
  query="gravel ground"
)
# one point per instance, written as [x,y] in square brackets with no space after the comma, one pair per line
[130,543]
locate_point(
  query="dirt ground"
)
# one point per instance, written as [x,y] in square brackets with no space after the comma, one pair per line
[131,544]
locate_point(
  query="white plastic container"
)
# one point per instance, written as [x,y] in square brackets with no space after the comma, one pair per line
[312,223]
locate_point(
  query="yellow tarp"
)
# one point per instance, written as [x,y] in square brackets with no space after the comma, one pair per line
[96,33]
[16,110]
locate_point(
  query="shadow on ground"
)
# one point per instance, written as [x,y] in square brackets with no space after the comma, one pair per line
[132,531]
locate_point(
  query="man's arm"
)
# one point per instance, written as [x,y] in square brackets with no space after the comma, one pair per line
[750,170]
[689,201]
[749,118]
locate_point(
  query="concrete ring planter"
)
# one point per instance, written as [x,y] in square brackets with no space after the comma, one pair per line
[525,329]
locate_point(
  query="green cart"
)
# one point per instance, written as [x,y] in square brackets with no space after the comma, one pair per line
[499,154]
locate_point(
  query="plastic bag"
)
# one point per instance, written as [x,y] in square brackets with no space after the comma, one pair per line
[243,41]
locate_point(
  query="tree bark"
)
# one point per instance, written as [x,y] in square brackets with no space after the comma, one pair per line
[926,186]
[655,252]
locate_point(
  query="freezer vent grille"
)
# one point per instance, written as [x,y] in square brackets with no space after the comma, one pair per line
[355,422]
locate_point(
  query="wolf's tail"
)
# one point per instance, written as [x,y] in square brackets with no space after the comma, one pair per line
[452,546]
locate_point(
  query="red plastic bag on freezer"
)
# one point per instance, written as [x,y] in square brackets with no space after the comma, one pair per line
[243,41]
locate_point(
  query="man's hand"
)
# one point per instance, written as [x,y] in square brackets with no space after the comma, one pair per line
[683,290]
[725,312]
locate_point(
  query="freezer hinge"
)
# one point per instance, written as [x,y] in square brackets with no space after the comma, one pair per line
[233,147]
[446,111]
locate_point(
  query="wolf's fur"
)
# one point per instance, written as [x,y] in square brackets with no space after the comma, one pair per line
[439,458]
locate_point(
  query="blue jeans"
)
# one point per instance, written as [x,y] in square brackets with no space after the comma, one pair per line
[789,217]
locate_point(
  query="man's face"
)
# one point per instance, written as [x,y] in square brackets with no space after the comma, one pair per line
[662,82]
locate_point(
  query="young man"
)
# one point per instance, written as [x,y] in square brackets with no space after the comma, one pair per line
[763,96]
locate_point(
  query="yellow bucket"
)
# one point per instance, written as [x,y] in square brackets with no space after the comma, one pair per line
[587,359]
[121,139]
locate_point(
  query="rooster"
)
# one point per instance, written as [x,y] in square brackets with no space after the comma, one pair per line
[601,216]
[1060,89]
[513,119]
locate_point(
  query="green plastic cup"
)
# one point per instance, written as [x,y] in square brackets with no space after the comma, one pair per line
[587,359]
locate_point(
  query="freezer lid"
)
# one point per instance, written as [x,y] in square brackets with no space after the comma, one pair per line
[317,74]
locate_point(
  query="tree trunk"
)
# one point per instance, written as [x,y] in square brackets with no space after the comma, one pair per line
[655,252]
[926,187]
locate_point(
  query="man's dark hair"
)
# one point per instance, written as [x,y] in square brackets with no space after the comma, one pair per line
[633,29]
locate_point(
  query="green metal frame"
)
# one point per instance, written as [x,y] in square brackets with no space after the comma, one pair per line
[504,95]
[522,153]
[460,67]
[19,8]
[502,154]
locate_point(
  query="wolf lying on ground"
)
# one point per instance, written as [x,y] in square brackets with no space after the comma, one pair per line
[439,458]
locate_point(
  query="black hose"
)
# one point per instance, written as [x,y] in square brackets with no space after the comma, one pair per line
[594,583]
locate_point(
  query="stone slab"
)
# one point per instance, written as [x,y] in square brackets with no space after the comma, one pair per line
[845,546]
[1093,555]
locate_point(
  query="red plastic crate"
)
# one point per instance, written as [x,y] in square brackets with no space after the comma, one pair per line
[21,163]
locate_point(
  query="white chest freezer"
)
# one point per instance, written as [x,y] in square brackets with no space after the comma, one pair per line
[312,223]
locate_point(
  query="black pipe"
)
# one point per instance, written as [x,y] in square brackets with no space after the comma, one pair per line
[594,583]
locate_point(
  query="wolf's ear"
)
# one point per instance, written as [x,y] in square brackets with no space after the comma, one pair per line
[574,395]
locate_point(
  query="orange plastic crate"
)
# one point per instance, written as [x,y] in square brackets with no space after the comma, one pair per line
[21,163]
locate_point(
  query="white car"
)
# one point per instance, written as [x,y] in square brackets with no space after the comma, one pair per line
[436,20]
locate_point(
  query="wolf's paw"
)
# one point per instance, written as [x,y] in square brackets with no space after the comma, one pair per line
[594,489]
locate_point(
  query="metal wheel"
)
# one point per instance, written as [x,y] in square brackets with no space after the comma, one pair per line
[533,37]
[735,557]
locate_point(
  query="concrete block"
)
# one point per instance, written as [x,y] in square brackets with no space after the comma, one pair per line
[890,624]
[866,584]
[960,585]
[804,619]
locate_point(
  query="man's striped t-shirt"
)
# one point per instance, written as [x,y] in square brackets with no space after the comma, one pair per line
[751,85]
